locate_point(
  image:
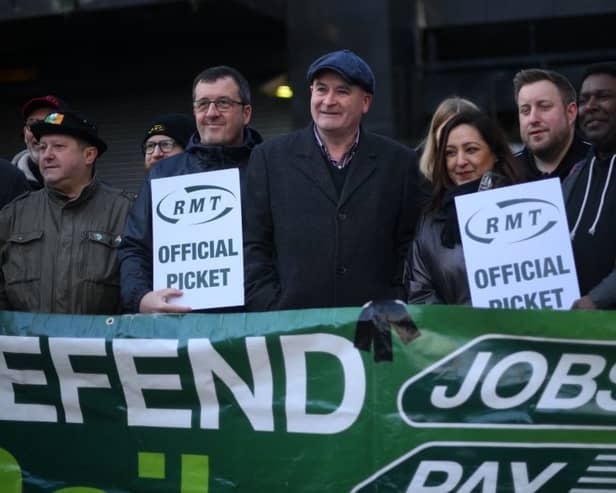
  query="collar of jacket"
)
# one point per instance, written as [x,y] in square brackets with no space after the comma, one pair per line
[307,143]
[65,201]
[364,163]
[576,151]
[225,154]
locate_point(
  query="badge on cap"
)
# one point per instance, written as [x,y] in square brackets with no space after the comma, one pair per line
[54,118]
[159,127]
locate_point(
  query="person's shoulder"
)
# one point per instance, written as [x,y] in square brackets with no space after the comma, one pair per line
[28,196]
[173,165]
[428,230]
[523,162]
[12,177]
[569,181]
[521,154]
[577,168]
[288,138]
[579,149]
[7,167]
[28,200]
[20,155]
[385,142]
[117,193]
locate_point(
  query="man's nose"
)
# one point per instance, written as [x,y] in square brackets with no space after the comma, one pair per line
[534,114]
[44,152]
[212,110]
[590,104]
[329,98]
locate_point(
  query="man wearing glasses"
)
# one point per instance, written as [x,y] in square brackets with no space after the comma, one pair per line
[166,136]
[34,111]
[222,111]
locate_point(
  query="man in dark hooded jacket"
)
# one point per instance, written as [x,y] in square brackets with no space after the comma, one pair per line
[222,109]
[590,191]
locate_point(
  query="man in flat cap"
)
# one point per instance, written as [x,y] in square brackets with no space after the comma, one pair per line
[166,136]
[33,111]
[58,245]
[330,210]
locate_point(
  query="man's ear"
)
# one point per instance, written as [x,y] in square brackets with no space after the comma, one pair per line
[571,110]
[90,154]
[366,102]
[246,114]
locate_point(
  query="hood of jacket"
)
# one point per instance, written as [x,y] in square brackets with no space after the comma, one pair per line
[221,154]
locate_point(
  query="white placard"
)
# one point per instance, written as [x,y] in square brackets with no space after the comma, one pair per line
[197,238]
[517,247]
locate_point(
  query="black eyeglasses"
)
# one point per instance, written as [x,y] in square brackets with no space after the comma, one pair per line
[222,104]
[164,145]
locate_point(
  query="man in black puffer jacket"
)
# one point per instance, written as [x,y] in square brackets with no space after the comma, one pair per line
[221,103]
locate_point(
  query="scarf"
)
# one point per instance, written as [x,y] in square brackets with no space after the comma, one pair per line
[450,237]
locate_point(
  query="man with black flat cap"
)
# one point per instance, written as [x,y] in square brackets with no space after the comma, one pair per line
[329,210]
[58,245]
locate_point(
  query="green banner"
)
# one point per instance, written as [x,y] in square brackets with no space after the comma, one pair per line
[484,401]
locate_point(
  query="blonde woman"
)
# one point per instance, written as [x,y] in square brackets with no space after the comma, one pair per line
[448,108]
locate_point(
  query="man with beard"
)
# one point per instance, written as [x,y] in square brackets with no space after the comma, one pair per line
[590,191]
[547,111]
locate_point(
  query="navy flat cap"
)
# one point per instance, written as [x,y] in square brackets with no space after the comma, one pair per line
[348,65]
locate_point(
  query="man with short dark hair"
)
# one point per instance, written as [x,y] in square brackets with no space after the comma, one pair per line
[330,210]
[590,191]
[34,111]
[547,111]
[222,110]
[58,245]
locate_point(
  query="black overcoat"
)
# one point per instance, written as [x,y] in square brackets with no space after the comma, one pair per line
[305,245]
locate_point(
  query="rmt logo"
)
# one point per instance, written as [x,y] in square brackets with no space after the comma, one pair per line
[194,205]
[512,221]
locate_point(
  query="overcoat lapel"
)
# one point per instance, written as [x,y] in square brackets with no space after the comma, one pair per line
[307,159]
[362,166]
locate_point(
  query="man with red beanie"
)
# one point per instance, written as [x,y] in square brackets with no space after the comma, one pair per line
[33,111]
